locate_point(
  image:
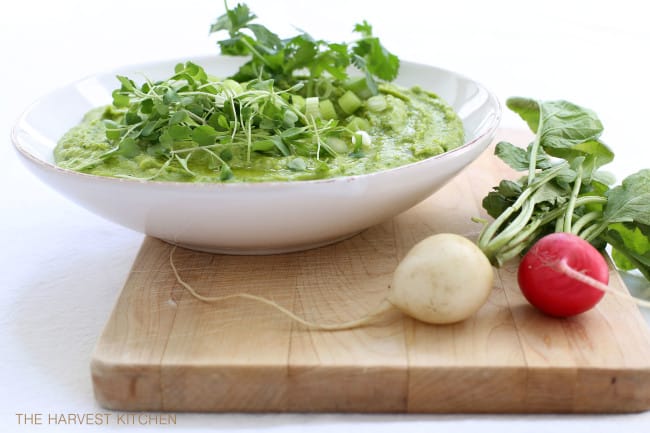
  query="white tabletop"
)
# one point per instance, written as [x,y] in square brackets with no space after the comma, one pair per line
[62,267]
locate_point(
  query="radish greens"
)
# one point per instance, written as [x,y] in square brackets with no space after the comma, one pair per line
[565,190]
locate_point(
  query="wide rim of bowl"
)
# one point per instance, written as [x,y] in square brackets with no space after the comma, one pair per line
[488,129]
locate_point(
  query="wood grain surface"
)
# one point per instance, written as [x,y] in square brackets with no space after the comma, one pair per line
[163,350]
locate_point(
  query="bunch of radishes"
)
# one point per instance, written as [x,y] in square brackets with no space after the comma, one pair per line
[561,214]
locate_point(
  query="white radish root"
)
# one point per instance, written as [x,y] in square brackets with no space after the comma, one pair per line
[563,267]
[444,279]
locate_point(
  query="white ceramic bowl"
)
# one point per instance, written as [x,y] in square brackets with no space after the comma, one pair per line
[253,218]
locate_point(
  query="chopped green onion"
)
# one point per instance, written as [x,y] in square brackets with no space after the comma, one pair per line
[361,138]
[324,87]
[349,102]
[312,108]
[298,102]
[337,145]
[327,110]
[376,103]
[359,86]
[358,123]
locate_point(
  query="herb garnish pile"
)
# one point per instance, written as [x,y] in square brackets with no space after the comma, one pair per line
[293,98]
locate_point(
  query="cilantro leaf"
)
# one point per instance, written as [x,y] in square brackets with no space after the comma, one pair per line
[266,38]
[378,60]
[233,20]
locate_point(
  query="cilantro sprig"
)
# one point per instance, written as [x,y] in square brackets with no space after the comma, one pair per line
[564,189]
[284,59]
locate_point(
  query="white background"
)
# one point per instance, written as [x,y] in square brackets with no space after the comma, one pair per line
[61,268]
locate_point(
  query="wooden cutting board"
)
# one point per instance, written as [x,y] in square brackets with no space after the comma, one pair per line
[162,350]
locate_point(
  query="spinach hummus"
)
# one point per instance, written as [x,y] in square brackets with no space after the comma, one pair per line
[225,131]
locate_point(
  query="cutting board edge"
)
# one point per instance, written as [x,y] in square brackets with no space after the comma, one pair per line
[121,387]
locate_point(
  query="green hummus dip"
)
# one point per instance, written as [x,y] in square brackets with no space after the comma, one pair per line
[411,125]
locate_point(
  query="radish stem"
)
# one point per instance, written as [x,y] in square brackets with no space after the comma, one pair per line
[568,216]
[583,221]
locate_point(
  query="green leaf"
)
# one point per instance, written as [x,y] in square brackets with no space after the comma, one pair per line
[596,149]
[235,47]
[127,84]
[223,122]
[158,150]
[161,108]
[180,132]
[509,189]
[299,52]
[148,128]
[113,129]
[271,143]
[604,178]
[177,118]
[495,204]
[630,246]
[563,124]
[233,20]
[379,61]
[262,146]
[630,201]
[266,38]
[120,100]
[364,28]
[549,193]
[518,158]
[170,97]
[146,106]
[632,236]
[166,140]
[128,148]
[204,135]
[333,58]
[226,154]
[131,118]
[190,72]
[382,63]
[594,152]
[621,261]
[567,125]
[292,132]
[527,109]
[226,173]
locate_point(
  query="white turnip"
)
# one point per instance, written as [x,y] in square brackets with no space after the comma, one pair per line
[443,279]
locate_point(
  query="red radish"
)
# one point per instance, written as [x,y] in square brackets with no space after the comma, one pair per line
[551,275]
